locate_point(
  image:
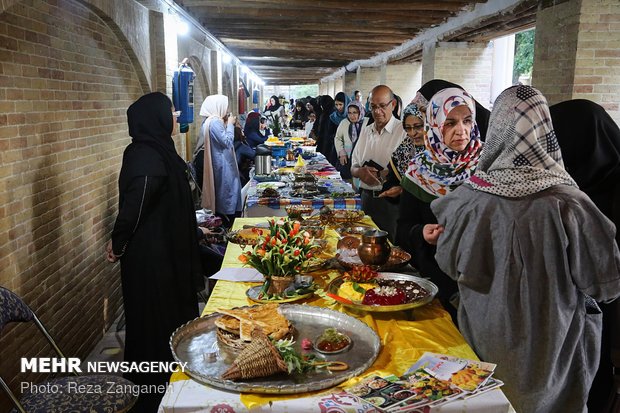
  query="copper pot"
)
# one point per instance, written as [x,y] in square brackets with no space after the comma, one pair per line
[375,248]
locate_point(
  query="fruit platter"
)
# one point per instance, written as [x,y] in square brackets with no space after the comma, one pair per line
[362,288]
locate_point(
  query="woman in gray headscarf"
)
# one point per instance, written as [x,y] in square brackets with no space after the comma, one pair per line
[528,272]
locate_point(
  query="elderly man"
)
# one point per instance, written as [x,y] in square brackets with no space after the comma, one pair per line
[372,154]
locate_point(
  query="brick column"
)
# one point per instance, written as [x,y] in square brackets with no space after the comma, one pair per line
[468,64]
[350,78]
[215,80]
[383,74]
[323,86]
[370,78]
[577,52]
[235,89]
[404,79]
[338,85]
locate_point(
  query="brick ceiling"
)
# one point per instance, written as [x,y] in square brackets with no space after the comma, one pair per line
[301,41]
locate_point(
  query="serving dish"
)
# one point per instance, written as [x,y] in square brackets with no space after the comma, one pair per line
[349,258]
[242,236]
[319,340]
[298,210]
[253,292]
[192,342]
[432,289]
[346,216]
[354,229]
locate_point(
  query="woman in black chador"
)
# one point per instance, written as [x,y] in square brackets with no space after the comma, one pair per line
[155,239]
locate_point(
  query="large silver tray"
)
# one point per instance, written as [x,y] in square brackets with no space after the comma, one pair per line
[422,282]
[190,342]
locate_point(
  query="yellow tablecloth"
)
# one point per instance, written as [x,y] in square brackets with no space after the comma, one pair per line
[405,336]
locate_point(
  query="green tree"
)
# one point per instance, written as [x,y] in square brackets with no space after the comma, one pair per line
[524,54]
[301,91]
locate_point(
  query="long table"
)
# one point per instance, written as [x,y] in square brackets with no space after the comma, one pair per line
[327,176]
[405,336]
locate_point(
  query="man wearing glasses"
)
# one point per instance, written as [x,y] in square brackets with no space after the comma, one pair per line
[372,154]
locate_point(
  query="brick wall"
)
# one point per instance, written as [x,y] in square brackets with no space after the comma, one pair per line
[597,67]
[467,64]
[554,50]
[404,79]
[350,79]
[577,53]
[65,84]
[339,86]
[323,86]
[369,78]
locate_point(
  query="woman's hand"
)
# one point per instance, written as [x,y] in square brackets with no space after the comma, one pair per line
[343,159]
[431,233]
[109,254]
[393,192]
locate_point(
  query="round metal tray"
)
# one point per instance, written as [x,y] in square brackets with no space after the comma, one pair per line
[190,342]
[423,282]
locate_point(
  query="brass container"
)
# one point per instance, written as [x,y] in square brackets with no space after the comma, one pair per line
[375,248]
[279,284]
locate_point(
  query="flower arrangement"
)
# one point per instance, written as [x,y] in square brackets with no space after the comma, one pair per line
[282,251]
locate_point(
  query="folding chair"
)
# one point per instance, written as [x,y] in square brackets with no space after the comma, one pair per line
[13,309]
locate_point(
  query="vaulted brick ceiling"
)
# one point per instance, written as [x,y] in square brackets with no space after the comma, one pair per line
[301,41]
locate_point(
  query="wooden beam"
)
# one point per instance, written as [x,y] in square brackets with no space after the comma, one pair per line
[367,26]
[290,63]
[245,14]
[360,5]
[314,40]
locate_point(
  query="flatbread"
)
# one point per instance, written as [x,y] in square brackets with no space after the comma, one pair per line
[228,323]
[267,317]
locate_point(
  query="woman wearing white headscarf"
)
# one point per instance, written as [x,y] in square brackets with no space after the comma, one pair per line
[531,254]
[221,186]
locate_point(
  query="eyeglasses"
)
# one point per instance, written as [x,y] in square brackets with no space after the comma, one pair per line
[176,114]
[413,127]
[381,106]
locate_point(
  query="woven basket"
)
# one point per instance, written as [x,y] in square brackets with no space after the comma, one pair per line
[259,359]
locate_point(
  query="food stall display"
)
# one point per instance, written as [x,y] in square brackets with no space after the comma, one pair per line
[389,333]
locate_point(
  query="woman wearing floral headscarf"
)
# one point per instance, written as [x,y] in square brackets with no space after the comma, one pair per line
[532,254]
[413,124]
[452,149]
[346,136]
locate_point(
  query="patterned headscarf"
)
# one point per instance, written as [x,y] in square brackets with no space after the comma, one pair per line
[355,128]
[439,169]
[413,110]
[522,155]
